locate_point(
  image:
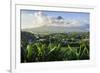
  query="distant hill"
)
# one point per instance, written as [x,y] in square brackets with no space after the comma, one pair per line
[56,29]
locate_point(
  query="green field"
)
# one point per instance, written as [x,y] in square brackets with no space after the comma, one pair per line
[45,47]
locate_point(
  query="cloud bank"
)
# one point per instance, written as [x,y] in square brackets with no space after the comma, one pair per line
[39,19]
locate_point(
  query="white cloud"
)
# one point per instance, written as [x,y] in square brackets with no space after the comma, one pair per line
[39,19]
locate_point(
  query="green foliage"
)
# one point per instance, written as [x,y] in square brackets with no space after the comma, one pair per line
[54,47]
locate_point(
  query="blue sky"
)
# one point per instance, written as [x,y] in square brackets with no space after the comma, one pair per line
[66,15]
[78,19]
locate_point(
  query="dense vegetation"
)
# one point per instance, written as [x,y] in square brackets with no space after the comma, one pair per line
[43,47]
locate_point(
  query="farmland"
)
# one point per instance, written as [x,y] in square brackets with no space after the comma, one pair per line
[44,47]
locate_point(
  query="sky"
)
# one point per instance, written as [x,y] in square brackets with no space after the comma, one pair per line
[27,17]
